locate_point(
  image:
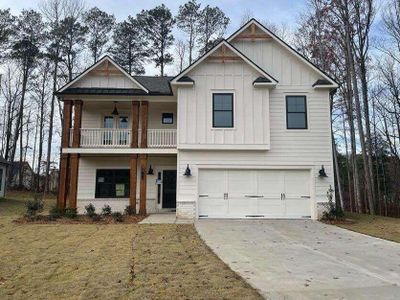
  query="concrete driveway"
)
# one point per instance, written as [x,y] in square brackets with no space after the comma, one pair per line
[304,259]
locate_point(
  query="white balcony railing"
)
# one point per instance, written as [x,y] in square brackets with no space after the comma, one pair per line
[121,138]
[161,138]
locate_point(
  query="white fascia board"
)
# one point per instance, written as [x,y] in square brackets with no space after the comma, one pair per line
[234,50]
[84,73]
[286,46]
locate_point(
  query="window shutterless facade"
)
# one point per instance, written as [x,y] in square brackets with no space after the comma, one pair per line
[167,118]
[112,183]
[296,112]
[222,110]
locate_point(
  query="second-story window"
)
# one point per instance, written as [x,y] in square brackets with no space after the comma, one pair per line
[296,112]
[167,118]
[222,110]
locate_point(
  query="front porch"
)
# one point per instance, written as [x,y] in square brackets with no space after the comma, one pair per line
[111,180]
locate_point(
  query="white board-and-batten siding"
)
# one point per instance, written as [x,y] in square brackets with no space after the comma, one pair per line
[250,108]
[304,149]
[87,180]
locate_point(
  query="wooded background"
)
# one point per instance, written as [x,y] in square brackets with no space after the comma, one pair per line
[357,42]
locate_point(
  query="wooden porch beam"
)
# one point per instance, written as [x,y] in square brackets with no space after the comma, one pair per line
[63,181]
[76,141]
[135,124]
[73,193]
[143,183]
[144,117]
[133,181]
[67,123]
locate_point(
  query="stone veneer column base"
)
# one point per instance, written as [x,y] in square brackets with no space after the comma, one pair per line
[185,209]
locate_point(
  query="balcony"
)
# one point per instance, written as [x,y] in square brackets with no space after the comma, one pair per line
[121,138]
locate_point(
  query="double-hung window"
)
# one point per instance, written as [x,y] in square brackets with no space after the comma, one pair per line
[222,110]
[296,112]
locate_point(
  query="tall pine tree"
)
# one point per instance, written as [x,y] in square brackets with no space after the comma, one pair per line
[157,24]
[187,21]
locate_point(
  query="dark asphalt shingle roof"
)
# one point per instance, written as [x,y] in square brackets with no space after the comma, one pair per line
[262,79]
[157,86]
[322,82]
[185,79]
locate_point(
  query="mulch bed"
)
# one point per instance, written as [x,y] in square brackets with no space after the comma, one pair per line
[80,219]
[339,222]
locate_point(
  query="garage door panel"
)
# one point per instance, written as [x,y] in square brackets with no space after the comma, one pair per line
[241,182]
[244,193]
[270,183]
[270,207]
[297,183]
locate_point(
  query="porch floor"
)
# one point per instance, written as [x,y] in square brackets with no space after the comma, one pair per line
[164,218]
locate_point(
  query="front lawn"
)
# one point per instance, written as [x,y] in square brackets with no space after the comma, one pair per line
[53,261]
[378,226]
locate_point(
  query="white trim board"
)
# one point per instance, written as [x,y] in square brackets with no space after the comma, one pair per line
[286,46]
[119,151]
[234,50]
[104,58]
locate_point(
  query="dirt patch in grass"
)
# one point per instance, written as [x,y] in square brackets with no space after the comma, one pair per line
[41,219]
[174,263]
[377,226]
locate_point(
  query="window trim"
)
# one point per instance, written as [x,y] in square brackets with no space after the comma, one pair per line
[305,112]
[96,196]
[232,111]
[162,118]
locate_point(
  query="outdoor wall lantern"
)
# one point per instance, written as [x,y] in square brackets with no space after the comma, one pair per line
[187,171]
[115,111]
[150,172]
[322,172]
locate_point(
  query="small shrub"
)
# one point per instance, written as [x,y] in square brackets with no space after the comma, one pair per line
[33,207]
[90,210]
[333,211]
[71,213]
[130,210]
[56,213]
[117,216]
[106,210]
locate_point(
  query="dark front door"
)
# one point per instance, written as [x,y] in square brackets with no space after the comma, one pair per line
[169,189]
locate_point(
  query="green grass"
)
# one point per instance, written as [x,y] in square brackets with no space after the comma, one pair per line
[377,226]
[111,261]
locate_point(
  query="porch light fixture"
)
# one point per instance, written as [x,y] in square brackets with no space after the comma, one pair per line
[322,172]
[187,171]
[115,111]
[150,172]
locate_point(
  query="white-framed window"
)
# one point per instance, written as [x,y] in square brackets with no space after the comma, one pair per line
[222,110]
[296,112]
[167,118]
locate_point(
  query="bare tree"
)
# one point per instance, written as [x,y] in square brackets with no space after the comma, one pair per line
[180,51]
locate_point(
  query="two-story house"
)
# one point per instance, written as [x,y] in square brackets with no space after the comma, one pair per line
[243,132]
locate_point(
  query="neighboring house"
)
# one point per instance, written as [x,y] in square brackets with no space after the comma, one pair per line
[53,181]
[244,132]
[3,172]
[28,176]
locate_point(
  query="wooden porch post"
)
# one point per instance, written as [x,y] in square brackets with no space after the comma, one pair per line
[143,183]
[75,157]
[134,157]
[64,158]
[144,110]
[144,115]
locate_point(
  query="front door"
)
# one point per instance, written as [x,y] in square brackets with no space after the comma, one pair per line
[169,189]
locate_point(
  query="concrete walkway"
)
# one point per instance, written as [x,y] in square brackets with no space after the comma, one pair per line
[304,259]
[164,218]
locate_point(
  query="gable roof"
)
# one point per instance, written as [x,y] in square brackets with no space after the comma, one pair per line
[99,62]
[156,84]
[332,81]
[234,50]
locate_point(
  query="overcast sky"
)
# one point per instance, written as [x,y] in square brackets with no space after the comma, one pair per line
[282,11]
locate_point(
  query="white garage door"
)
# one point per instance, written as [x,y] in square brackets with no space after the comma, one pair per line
[260,193]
